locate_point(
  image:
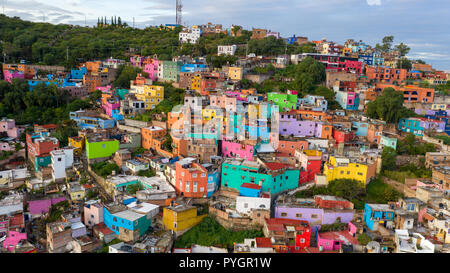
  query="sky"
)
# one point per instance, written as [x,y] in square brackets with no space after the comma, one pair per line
[421,24]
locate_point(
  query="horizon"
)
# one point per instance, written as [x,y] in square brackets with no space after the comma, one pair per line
[366,20]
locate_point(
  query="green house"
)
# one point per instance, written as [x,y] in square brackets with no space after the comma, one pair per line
[171,71]
[286,102]
[102,148]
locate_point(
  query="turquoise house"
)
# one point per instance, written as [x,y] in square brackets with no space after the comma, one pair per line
[272,177]
[126,220]
[378,214]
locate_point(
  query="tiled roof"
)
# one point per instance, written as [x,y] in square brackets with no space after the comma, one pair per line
[251,186]
[273,166]
[263,242]
[278,224]
[342,236]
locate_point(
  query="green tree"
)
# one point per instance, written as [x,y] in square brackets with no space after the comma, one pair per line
[402,49]
[386,44]
[388,156]
[388,107]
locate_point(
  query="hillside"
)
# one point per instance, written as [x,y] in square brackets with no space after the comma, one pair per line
[44,43]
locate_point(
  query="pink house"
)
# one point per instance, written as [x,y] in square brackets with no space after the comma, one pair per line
[151,67]
[334,239]
[9,126]
[39,207]
[9,75]
[93,213]
[239,150]
[110,105]
[217,100]
[105,89]
[238,95]
[13,240]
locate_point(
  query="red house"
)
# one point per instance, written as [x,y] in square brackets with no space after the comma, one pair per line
[287,234]
[343,136]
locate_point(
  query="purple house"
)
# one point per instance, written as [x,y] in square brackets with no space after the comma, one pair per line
[299,128]
[307,210]
[42,206]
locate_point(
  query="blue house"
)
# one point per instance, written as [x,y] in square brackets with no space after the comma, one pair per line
[213,179]
[411,125]
[378,214]
[86,122]
[250,190]
[367,59]
[361,128]
[77,74]
[124,221]
[193,68]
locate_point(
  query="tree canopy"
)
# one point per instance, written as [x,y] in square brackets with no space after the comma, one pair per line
[388,107]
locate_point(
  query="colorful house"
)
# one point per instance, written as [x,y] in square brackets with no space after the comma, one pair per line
[181,217]
[271,176]
[386,141]
[238,149]
[101,148]
[128,224]
[334,240]
[348,100]
[191,178]
[286,102]
[418,126]
[343,168]
[378,215]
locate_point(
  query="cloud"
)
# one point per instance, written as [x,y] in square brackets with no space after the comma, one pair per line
[374,2]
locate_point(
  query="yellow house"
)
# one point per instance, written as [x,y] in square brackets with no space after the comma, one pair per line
[196,82]
[180,218]
[76,191]
[152,95]
[77,143]
[346,50]
[235,73]
[342,168]
[391,64]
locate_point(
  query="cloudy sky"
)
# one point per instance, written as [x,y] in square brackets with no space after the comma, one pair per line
[421,24]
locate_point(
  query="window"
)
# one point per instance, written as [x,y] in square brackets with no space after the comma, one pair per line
[283,214]
[314,216]
[298,215]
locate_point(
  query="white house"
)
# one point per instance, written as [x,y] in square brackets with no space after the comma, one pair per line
[226,50]
[245,204]
[61,160]
[190,36]
[411,244]
[135,165]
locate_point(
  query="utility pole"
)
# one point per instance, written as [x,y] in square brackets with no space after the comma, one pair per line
[85,20]
[133,22]
[67,54]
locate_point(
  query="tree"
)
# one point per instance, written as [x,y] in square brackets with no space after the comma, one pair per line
[404,63]
[402,49]
[388,156]
[347,188]
[388,107]
[386,45]
[308,73]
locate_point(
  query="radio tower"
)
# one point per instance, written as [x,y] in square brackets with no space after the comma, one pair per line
[179,10]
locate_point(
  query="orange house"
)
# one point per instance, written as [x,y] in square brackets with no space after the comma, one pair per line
[172,118]
[310,115]
[92,66]
[386,74]
[191,178]
[151,137]
[327,131]
[374,133]
[411,93]
[179,146]
[288,147]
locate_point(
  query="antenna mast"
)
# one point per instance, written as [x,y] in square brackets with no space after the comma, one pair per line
[179,11]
